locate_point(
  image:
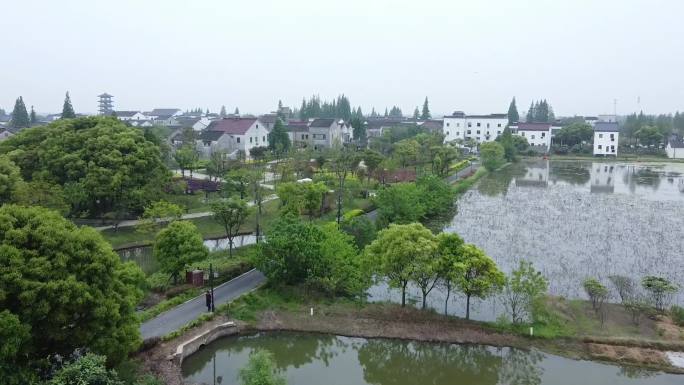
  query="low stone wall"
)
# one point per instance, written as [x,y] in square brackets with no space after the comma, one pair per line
[191,346]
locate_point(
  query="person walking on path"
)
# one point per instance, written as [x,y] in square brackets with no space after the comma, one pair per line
[207,297]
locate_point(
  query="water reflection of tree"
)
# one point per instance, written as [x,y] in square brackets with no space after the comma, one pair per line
[572,173]
[520,367]
[295,350]
[398,362]
[641,176]
[635,372]
[497,183]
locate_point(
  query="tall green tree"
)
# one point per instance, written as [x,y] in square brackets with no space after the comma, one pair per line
[425,114]
[177,246]
[67,286]
[522,289]
[33,118]
[513,115]
[480,277]
[222,112]
[20,116]
[393,254]
[278,139]
[109,166]
[298,253]
[492,155]
[157,214]
[507,142]
[67,108]
[449,266]
[231,214]
[416,113]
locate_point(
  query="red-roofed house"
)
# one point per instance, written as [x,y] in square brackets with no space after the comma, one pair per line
[236,133]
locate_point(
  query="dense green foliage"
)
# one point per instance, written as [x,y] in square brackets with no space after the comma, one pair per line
[177,246]
[260,370]
[660,291]
[404,203]
[86,370]
[361,229]
[12,186]
[575,134]
[53,270]
[99,164]
[395,252]
[492,155]
[479,276]
[299,253]
[157,214]
[299,197]
[522,289]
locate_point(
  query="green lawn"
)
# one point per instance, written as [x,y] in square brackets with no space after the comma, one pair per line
[129,236]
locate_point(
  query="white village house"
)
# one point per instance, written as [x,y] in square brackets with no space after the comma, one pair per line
[481,128]
[674,148]
[324,133]
[606,136]
[298,132]
[537,134]
[231,135]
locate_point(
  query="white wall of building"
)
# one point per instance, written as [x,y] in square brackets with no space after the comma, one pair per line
[606,143]
[672,152]
[479,128]
[536,137]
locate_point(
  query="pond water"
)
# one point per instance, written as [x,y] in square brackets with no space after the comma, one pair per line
[573,220]
[143,255]
[313,359]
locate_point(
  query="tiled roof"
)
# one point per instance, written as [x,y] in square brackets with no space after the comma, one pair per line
[268,119]
[234,126]
[534,126]
[322,123]
[210,135]
[297,126]
[164,111]
[490,116]
[125,114]
[187,122]
[675,141]
[606,127]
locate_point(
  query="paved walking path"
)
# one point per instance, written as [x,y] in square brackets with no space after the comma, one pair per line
[135,222]
[174,319]
[453,178]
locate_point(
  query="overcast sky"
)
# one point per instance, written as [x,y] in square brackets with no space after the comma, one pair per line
[464,55]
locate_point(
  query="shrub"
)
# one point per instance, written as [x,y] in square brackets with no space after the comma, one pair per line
[677,313]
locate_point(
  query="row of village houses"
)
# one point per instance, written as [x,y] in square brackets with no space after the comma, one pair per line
[242,133]
[231,134]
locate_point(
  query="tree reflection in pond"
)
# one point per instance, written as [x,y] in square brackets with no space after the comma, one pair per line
[390,362]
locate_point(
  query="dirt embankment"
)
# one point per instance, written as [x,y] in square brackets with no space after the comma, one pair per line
[392,321]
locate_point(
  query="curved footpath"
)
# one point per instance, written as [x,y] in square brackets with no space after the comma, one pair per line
[174,319]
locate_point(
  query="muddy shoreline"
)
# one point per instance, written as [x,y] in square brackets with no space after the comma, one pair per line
[394,322]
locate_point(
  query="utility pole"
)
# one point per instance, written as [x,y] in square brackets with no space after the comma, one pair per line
[211,285]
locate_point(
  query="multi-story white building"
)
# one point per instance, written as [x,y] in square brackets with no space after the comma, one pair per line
[606,136]
[481,128]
